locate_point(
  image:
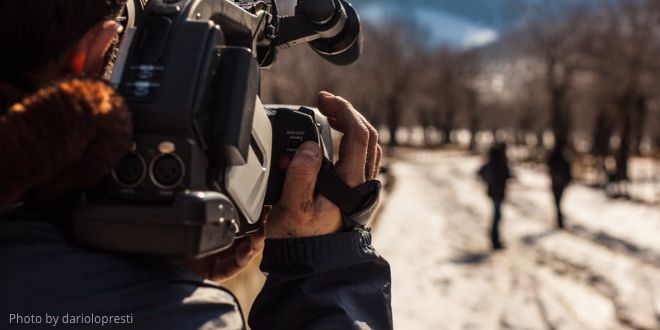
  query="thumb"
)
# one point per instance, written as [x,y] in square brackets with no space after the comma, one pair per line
[300,181]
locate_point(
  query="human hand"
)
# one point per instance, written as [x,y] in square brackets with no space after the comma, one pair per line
[301,212]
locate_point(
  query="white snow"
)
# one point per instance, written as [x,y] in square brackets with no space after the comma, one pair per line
[603,273]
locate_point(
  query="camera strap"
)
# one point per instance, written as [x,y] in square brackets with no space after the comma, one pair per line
[356,204]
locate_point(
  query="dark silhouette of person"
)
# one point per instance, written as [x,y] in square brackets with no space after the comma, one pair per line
[560,175]
[495,174]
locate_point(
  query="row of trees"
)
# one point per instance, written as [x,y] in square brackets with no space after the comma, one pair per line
[599,67]
[588,74]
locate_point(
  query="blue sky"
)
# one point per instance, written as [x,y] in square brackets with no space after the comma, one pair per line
[443,27]
[458,23]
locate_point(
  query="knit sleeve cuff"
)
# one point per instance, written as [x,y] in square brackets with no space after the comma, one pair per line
[309,255]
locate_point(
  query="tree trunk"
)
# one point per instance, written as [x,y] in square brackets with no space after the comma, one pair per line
[603,131]
[445,134]
[559,120]
[393,120]
[474,118]
[448,125]
[473,137]
[641,112]
[626,103]
[540,143]
[425,122]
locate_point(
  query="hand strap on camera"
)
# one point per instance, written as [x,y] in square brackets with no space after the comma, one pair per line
[356,204]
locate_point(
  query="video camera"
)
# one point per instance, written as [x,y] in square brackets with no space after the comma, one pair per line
[207,155]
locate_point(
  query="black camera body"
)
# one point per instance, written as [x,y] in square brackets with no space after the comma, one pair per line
[207,154]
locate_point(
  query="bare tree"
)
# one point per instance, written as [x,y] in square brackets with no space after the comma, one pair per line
[622,50]
[393,52]
[474,122]
[555,36]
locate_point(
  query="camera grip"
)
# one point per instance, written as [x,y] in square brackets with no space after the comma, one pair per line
[293,125]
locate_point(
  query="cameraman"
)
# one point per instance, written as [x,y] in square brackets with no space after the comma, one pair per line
[63,129]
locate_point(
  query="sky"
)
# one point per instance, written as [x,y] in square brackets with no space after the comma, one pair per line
[457,23]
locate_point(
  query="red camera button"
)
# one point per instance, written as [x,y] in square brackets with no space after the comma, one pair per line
[283,162]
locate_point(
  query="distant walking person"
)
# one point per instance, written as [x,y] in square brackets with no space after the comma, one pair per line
[560,175]
[495,174]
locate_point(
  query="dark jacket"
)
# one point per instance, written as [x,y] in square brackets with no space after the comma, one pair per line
[331,282]
[560,170]
[495,175]
[496,172]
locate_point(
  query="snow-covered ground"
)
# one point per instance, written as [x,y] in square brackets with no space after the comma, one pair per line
[602,273]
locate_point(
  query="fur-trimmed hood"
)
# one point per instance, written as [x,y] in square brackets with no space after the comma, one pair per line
[64,137]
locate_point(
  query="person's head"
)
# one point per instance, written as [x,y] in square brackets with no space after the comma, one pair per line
[44,40]
[497,152]
[61,128]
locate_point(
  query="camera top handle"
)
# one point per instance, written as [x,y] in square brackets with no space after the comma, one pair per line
[331,27]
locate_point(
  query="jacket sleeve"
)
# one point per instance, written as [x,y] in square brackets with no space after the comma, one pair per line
[336,281]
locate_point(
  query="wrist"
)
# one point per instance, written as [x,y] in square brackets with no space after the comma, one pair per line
[283,224]
[302,232]
[306,255]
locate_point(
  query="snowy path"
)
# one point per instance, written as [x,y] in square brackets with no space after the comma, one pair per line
[604,273]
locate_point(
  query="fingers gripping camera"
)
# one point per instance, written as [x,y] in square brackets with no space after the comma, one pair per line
[292,126]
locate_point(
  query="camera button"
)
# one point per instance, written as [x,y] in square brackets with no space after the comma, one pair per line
[295,143]
[283,162]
